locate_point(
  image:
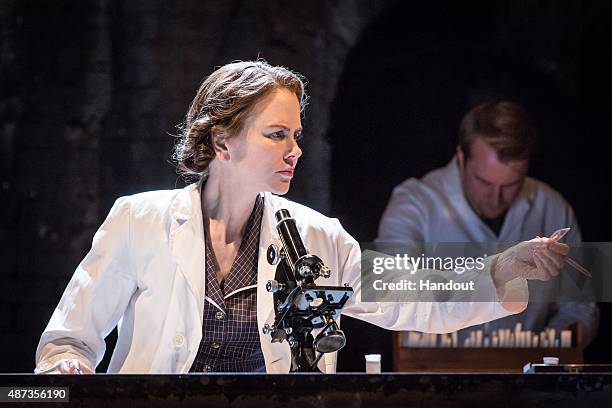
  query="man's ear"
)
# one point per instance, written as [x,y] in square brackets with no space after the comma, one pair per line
[219,138]
[460,157]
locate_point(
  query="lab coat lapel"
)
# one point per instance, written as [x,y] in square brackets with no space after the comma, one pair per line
[276,355]
[512,230]
[187,240]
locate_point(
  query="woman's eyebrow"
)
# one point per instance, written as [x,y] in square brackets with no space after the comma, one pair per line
[284,127]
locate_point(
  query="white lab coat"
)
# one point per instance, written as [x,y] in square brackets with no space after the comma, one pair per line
[145,271]
[434,209]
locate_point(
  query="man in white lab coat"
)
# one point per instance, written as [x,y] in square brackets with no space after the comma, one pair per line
[484,195]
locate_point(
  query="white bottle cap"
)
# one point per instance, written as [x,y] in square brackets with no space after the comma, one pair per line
[373,357]
[551,360]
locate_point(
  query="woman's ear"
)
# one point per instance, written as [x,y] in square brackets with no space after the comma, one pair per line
[219,138]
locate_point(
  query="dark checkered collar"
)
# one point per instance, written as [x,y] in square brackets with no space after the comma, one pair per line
[243,272]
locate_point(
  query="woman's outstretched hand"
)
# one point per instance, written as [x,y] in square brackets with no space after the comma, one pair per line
[537,259]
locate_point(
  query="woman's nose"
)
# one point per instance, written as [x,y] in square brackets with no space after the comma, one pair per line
[295,152]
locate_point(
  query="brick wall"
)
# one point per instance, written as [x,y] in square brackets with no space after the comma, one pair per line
[56,94]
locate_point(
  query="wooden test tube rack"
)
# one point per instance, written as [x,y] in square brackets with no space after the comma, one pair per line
[479,359]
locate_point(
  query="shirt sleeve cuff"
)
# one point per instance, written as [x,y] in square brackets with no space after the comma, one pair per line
[50,365]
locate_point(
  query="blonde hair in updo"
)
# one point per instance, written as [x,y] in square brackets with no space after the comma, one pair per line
[223,102]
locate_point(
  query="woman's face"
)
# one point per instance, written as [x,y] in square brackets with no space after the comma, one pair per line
[264,155]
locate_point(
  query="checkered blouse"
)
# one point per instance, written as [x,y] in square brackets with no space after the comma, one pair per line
[230,339]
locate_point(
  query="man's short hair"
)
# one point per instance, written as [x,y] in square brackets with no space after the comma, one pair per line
[508,128]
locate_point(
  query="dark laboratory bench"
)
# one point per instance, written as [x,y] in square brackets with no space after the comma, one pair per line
[323,390]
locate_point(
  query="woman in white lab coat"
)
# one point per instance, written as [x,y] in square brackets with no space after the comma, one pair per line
[147,269]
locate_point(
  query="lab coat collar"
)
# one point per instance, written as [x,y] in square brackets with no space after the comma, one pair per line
[187,240]
[518,211]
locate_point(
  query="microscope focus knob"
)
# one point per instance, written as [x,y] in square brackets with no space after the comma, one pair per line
[274,286]
[273,254]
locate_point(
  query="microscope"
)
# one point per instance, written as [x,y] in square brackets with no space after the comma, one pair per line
[300,305]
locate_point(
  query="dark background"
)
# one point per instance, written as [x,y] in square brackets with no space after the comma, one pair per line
[91,91]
